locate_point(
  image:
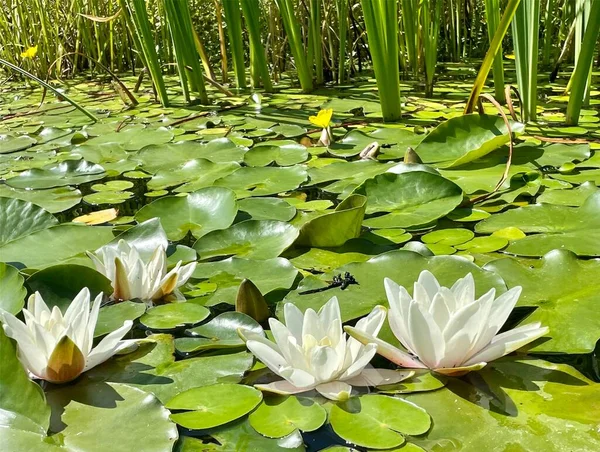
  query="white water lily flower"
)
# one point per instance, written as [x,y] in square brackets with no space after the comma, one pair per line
[448,330]
[312,352]
[131,277]
[58,348]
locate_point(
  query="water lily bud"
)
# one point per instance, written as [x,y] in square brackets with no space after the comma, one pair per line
[325,138]
[251,302]
[411,156]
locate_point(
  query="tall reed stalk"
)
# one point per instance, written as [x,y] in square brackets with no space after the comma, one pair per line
[410,10]
[341,7]
[315,40]
[431,32]
[492,15]
[525,27]
[233,18]
[140,27]
[294,35]
[580,77]
[381,21]
[258,58]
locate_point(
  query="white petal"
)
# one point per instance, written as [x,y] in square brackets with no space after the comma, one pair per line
[364,358]
[267,352]
[335,390]
[282,338]
[330,313]
[371,325]
[324,362]
[426,337]
[80,303]
[107,346]
[294,319]
[508,342]
[464,290]
[398,318]
[86,347]
[386,350]
[379,377]
[298,377]
[428,284]
[185,273]
[312,326]
[281,387]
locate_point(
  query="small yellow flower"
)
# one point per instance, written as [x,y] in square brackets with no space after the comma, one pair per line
[30,52]
[323,118]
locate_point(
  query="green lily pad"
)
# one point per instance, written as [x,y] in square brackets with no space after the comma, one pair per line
[134,139]
[422,381]
[94,414]
[412,199]
[53,200]
[108,197]
[220,333]
[112,317]
[153,368]
[267,209]
[174,315]
[465,138]
[220,150]
[546,406]
[69,172]
[258,181]
[287,154]
[561,227]
[280,416]
[378,421]
[448,236]
[226,276]
[59,284]
[213,405]
[483,244]
[12,296]
[402,266]
[19,218]
[316,259]
[564,291]
[335,228]
[201,212]
[568,197]
[22,402]
[192,175]
[55,244]
[256,239]
[9,143]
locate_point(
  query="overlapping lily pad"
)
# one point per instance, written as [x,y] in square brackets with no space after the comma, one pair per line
[69,172]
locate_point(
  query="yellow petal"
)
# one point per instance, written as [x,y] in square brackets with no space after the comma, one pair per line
[99,217]
[65,363]
[167,287]
[323,118]
[30,52]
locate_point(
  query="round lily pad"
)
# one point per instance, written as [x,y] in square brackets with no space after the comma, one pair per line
[280,416]
[448,236]
[267,209]
[483,244]
[213,405]
[19,218]
[378,421]
[257,239]
[112,317]
[174,315]
[220,333]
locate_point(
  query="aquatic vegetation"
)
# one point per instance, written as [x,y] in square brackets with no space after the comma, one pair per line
[447,330]
[56,347]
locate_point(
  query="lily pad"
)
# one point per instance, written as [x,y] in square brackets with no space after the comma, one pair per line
[192,175]
[335,228]
[378,421]
[10,143]
[220,333]
[213,405]
[564,290]
[280,416]
[19,218]
[55,244]
[226,275]
[113,316]
[465,138]
[199,213]
[402,266]
[267,209]
[69,172]
[256,239]
[250,181]
[282,154]
[532,400]
[12,296]
[412,199]
[53,200]
[22,402]
[174,315]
